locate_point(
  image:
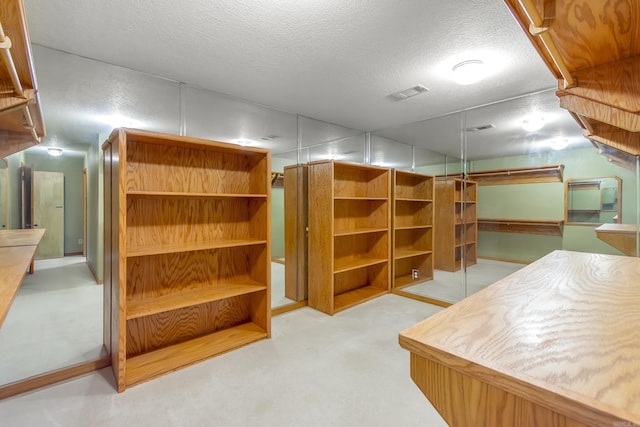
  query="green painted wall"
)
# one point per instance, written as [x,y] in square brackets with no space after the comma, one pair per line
[72,168]
[546,201]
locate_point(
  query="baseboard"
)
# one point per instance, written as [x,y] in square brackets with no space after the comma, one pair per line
[277,260]
[420,298]
[95,276]
[53,377]
[513,261]
[288,307]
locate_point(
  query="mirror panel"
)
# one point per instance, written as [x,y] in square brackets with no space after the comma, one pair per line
[596,200]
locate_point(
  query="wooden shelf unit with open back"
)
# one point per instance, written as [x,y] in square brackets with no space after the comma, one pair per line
[412,228]
[187,251]
[349,234]
[456,223]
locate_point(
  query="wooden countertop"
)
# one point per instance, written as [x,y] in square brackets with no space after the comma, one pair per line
[29,237]
[561,332]
[14,262]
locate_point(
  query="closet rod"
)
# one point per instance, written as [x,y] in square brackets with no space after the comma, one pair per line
[5,45]
[539,28]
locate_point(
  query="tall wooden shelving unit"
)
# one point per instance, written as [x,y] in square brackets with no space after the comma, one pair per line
[456,223]
[349,234]
[412,228]
[187,251]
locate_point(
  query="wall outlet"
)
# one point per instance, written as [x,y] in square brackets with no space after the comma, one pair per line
[79,241]
[415,273]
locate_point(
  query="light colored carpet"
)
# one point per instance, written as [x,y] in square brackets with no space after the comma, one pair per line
[316,370]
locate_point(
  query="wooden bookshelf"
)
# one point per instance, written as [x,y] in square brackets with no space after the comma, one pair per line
[523,226]
[456,226]
[413,195]
[187,251]
[349,234]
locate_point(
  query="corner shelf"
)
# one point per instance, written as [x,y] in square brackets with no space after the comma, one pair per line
[523,175]
[187,244]
[523,226]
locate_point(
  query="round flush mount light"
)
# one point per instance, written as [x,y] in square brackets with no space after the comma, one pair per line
[468,72]
[533,123]
[54,151]
[559,143]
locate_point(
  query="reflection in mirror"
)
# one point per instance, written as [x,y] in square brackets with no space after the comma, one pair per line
[596,200]
[4,195]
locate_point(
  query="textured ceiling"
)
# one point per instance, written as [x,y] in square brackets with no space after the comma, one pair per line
[333,60]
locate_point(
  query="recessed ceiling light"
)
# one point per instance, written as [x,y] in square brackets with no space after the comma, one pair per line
[408,93]
[559,143]
[54,151]
[244,142]
[533,123]
[468,72]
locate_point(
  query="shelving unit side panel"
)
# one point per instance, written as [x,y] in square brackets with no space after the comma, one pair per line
[149,333]
[295,226]
[119,241]
[155,222]
[444,228]
[359,214]
[108,229]
[155,167]
[158,275]
[321,236]
[360,182]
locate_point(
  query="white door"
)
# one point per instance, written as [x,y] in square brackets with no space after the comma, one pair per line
[48,212]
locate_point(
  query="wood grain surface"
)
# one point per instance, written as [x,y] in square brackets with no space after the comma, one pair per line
[14,262]
[30,237]
[561,332]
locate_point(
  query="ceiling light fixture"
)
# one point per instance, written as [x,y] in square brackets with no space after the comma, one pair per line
[533,123]
[269,137]
[468,72]
[478,128]
[559,143]
[243,142]
[54,151]
[408,93]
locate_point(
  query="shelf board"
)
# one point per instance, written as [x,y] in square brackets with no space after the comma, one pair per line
[355,297]
[408,253]
[341,266]
[187,195]
[410,199]
[359,231]
[413,227]
[522,226]
[190,247]
[408,280]
[374,199]
[149,365]
[174,301]
[523,175]
[470,202]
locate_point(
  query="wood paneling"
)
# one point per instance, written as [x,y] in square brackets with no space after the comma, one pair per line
[187,251]
[560,334]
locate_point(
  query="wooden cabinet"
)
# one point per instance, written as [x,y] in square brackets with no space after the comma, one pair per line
[349,237]
[295,231]
[187,251]
[412,228]
[21,123]
[456,224]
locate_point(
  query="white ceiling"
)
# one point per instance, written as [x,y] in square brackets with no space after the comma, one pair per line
[333,60]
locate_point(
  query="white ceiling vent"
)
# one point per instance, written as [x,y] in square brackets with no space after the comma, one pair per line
[408,93]
[478,128]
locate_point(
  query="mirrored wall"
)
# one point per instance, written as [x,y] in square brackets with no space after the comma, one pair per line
[502,196]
